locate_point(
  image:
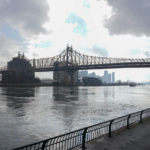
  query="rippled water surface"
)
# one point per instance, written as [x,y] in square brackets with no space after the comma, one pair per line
[31,114]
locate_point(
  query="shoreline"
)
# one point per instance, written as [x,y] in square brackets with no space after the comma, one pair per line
[50,84]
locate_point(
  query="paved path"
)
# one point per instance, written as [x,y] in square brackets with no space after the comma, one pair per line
[135,138]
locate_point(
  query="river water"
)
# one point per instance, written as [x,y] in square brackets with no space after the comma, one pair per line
[31,114]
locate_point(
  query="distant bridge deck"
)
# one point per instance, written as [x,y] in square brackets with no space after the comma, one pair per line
[93,66]
[97,66]
[136,138]
[73,60]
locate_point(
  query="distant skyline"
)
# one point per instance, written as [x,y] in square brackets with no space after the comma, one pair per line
[119,75]
[107,77]
[43,28]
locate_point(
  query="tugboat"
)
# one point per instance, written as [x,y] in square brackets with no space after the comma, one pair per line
[132,84]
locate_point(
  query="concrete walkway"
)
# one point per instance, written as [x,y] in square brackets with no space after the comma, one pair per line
[135,138]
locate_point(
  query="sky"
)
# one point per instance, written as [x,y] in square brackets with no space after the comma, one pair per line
[110,28]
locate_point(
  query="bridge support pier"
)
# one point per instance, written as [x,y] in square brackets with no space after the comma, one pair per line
[66,78]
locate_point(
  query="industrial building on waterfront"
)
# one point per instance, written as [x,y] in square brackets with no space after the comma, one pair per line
[19,70]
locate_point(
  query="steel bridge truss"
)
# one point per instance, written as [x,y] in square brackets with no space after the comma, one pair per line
[73,60]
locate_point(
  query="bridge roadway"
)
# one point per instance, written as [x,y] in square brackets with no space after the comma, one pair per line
[70,59]
[135,138]
[96,66]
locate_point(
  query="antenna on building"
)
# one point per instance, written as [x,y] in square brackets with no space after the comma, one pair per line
[71,48]
[23,55]
[19,54]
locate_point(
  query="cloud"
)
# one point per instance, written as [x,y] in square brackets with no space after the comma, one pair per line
[35,54]
[13,35]
[99,51]
[135,51]
[8,48]
[86,4]
[10,32]
[80,23]
[26,16]
[20,21]
[129,17]
[146,52]
[45,44]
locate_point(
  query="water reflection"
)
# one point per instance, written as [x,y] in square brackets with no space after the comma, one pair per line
[65,93]
[18,92]
[109,92]
[66,98]
[17,98]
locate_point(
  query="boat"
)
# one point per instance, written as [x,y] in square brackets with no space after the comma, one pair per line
[132,84]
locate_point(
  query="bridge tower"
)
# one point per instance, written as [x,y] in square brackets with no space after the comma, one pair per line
[67,76]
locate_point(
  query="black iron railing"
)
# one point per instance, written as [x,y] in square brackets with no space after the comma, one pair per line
[80,137]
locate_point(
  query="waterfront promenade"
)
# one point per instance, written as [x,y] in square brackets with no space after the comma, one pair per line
[127,132]
[135,138]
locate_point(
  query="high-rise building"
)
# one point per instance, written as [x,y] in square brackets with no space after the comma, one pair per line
[92,74]
[113,77]
[106,76]
[109,78]
[83,73]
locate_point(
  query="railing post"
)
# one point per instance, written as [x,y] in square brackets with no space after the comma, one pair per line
[141,116]
[83,139]
[43,145]
[128,121]
[110,128]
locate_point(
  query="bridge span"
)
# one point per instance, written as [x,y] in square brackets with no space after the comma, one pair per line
[70,59]
[65,66]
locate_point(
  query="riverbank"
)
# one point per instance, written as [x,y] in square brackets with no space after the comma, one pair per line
[137,138]
[83,136]
[51,84]
[25,84]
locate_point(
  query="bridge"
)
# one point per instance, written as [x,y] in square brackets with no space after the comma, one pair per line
[65,66]
[70,59]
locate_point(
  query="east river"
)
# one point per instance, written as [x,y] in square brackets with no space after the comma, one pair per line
[31,114]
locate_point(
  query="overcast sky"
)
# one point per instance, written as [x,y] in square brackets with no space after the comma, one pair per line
[42,28]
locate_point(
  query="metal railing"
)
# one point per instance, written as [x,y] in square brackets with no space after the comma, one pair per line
[80,137]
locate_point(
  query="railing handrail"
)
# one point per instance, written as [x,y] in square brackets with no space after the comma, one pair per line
[84,131]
